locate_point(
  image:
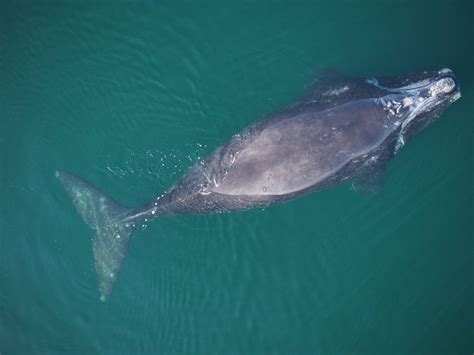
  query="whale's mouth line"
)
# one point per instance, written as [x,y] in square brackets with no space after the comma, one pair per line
[442,83]
[414,87]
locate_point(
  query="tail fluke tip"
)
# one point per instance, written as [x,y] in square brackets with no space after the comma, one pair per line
[105,216]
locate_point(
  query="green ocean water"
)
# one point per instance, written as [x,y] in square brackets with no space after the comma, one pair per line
[130,94]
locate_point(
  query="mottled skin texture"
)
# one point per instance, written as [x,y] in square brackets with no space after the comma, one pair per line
[344,130]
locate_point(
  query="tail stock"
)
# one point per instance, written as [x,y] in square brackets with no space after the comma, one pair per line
[108,218]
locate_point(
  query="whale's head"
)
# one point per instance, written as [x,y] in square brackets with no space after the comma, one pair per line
[414,101]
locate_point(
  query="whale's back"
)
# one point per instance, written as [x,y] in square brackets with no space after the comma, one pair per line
[298,152]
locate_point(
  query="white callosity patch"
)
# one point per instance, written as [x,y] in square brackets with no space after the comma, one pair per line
[442,86]
[393,106]
[408,101]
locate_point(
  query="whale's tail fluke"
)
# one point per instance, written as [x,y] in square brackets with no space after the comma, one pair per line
[107,217]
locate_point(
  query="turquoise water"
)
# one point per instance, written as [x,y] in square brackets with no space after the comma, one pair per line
[129,95]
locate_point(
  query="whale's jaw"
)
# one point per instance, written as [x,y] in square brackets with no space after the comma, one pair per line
[415,104]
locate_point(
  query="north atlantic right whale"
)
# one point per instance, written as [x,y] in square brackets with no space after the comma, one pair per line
[345,129]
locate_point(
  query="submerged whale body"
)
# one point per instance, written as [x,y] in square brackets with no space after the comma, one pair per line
[346,129]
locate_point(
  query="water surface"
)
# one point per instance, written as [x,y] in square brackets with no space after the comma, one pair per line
[129,95]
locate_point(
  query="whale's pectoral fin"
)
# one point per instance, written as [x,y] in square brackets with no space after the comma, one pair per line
[106,216]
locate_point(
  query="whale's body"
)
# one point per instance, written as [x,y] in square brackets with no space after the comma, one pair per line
[346,129]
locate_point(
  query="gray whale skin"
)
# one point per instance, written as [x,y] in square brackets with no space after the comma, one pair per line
[345,129]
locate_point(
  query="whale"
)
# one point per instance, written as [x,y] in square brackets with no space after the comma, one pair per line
[344,130]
